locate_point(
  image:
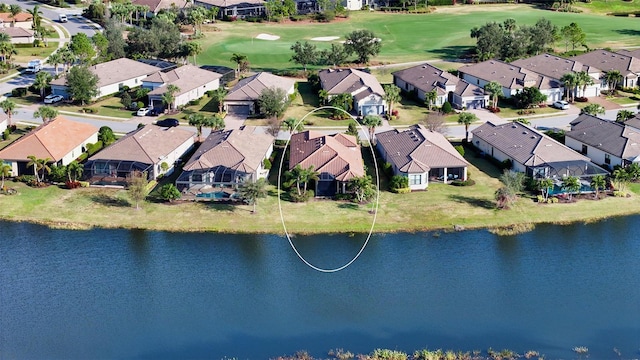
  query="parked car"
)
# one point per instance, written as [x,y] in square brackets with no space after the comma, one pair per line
[170,122]
[143,111]
[52,99]
[562,105]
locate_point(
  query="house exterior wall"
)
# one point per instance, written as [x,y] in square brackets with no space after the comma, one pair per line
[408,88]
[73,154]
[250,104]
[489,150]
[596,155]
[352,4]
[114,88]
[553,94]
[261,172]
[172,157]
[22,40]
[196,93]
[3,125]
[19,24]
[371,105]
[60,90]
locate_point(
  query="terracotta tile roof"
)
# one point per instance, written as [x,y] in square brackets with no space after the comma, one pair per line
[418,150]
[607,61]
[240,149]
[16,32]
[525,144]
[147,145]
[508,75]
[186,78]
[20,17]
[611,137]
[53,140]
[350,81]
[233,3]
[115,71]
[157,5]
[338,154]
[249,89]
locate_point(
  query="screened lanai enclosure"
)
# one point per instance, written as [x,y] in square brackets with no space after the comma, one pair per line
[114,172]
[220,179]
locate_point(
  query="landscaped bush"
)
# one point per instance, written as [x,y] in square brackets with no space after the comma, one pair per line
[19,92]
[25,179]
[72,184]
[494,109]
[582,99]
[293,194]
[82,157]
[460,149]
[267,164]
[89,110]
[94,148]
[463,183]
[5,134]
[398,182]
[446,108]
[387,168]
[194,102]
[402,191]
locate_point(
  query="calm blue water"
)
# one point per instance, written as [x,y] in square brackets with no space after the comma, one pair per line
[153,295]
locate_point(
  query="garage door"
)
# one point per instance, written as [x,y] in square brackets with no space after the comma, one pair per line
[238,109]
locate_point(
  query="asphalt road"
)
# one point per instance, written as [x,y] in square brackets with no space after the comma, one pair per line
[75,25]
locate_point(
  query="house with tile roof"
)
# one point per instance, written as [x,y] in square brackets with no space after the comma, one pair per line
[422,79]
[337,158]
[112,77]
[151,149]
[19,35]
[243,97]
[625,62]
[556,67]
[192,82]
[20,20]
[368,94]
[531,152]
[513,78]
[634,121]
[156,5]
[225,160]
[420,155]
[234,8]
[59,140]
[605,142]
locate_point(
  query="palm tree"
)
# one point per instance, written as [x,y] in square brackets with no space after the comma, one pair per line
[294,176]
[5,171]
[571,184]
[36,17]
[15,10]
[495,90]
[624,115]
[215,122]
[466,119]
[47,113]
[39,165]
[371,122]
[168,97]
[309,174]
[570,81]
[8,106]
[42,81]
[251,191]
[544,185]
[7,49]
[218,95]
[55,59]
[324,96]
[593,109]
[430,98]
[193,49]
[391,96]
[74,170]
[585,80]
[238,59]
[596,183]
[612,78]
[292,125]
[198,120]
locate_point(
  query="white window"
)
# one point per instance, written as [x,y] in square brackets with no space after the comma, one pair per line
[415,179]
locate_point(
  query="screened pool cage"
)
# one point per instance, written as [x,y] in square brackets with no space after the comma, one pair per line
[216,177]
[114,172]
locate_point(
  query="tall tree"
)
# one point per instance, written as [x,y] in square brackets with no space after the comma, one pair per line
[101,44]
[430,98]
[570,82]
[597,183]
[116,43]
[197,120]
[495,91]
[82,84]
[14,9]
[215,122]
[571,184]
[137,187]
[106,135]
[362,188]
[574,35]
[593,109]
[391,95]
[251,191]
[82,46]
[543,35]
[545,185]
[363,43]
[5,171]
[218,96]
[584,79]
[46,113]
[55,59]
[273,102]
[371,122]
[304,53]
[613,77]
[490,38]
[193,48]
[9,108]
[334,56]
[466,119]
[74,171]
[238,59]
[41,82]
[169,96]
[292,125]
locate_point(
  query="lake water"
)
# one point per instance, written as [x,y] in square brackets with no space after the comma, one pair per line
[152,295]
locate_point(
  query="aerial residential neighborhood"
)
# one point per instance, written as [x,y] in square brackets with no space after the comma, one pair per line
[319,179]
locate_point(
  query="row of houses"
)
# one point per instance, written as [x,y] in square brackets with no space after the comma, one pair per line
[17,27]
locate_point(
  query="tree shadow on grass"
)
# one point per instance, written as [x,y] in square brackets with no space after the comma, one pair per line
[106,200]
[452,52]
[632,32]
[350,206]
[481,203]
[221,205]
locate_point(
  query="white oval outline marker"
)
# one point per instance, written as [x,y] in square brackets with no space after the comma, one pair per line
[375,214]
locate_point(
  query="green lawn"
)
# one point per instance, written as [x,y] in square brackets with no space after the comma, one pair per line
[405,37]
[608,6]
[20,130]
[107,107]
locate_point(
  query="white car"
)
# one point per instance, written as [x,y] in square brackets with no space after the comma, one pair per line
[563,105]
[143,111]
[51,99]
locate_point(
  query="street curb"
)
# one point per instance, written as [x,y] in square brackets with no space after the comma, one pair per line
[93,116]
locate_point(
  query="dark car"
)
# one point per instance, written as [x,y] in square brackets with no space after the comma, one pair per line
[168,122]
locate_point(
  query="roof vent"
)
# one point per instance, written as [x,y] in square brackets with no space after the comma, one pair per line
[599,145]
[524,132]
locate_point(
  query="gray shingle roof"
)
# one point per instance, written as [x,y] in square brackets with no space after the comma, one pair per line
[607,60]
[426,77]
[611,137]
[338,154]
[418,150]
[525,144]
[508,75]
[115,71]
[146,145]
[186,78]
[634,121]
[240,149]
[250,88]
[350,81]
[551,65]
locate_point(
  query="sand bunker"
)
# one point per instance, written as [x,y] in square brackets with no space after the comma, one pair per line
[267,37]
[325,38]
